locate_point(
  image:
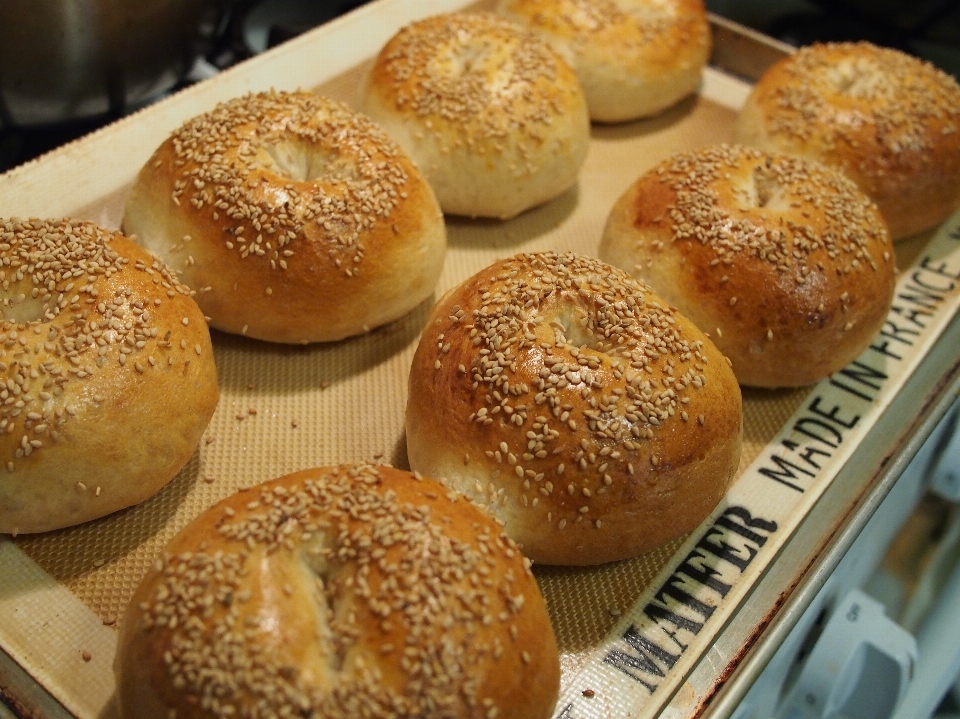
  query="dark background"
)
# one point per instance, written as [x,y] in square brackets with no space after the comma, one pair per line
[929,29]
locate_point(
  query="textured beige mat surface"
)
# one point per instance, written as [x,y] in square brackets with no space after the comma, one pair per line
[286,408]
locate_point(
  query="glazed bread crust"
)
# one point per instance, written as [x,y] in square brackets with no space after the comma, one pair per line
[494,118]
[782,260]
[586,415]
[293,218]
[634,58]
[107,369]
[889,121]
[338,592]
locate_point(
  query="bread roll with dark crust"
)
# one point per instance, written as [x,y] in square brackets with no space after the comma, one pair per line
[590,418]
[491,114]
[634,58]
[292,217]
[107,375]
[782,260]
[340,592]
[889,121]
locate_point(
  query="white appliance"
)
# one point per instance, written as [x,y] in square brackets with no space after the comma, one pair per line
[881,639]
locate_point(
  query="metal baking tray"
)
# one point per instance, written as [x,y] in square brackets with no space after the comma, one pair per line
[616,659]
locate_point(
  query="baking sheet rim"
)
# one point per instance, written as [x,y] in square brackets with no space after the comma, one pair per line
[87,691]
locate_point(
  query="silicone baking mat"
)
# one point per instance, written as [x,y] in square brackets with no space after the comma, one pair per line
[285,408]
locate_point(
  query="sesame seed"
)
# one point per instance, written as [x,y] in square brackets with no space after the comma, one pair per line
[604,384]
[214,153]
[443,92]
[192,606]
[899,103]
[841,230]
[49,256]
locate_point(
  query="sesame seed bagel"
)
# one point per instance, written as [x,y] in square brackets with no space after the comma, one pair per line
[339,592]
[889,121]
[292,217]
[570,401]
[107,376]
[495,118]
[782,260]
[634,58]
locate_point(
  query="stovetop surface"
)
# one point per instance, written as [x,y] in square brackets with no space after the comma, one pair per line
[927,28]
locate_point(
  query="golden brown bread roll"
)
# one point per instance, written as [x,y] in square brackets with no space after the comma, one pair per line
[590,418]
[293,218]
[495,118]
[351,591]
[889,121]
[634,58]
[782,260]
[108,376]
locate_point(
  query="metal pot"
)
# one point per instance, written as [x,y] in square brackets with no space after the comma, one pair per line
[64,60]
